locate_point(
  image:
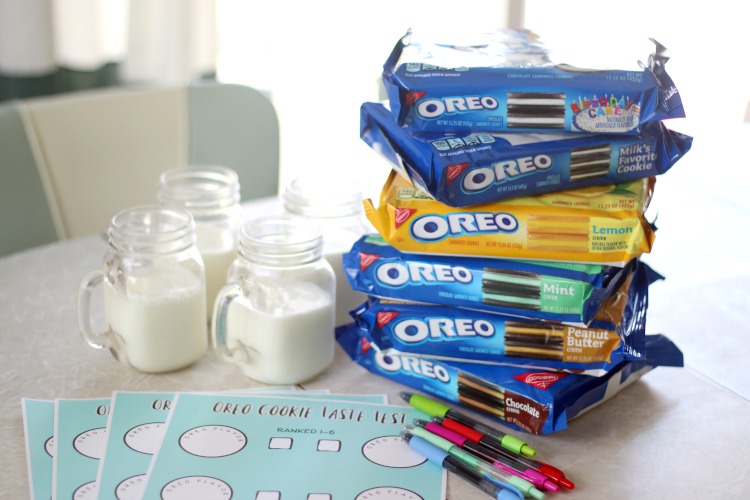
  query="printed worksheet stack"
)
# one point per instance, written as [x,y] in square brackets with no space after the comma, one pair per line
[262,444]
[506,274]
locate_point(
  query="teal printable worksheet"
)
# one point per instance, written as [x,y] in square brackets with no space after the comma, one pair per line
[272,448]
[134,433]
[136,428]
[80,438]
[39,428]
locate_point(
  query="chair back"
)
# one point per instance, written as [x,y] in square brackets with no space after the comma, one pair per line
[94,153]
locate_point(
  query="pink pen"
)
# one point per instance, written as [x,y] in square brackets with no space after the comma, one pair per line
[534,477]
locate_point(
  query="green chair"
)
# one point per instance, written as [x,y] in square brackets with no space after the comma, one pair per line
[84,156]
[25,215]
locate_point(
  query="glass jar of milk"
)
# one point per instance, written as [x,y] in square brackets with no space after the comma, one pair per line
[212,195]
[336,207]
[154,291]
[275,319]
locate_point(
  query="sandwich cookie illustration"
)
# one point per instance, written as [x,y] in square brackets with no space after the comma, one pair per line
[535,110]
[508,288]
[537,340]
[558,233]
[590,162]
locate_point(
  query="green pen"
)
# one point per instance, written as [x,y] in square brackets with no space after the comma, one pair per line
[435,409]
[476,463]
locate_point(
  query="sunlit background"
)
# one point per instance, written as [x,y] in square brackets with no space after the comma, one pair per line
[318,61]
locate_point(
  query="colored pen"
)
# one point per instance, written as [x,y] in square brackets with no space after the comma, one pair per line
[534,477]
[548,470]
[451,464]
[435,409]
[492,473]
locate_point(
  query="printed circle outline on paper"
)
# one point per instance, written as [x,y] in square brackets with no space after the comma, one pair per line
[86,491]
[91,443]
[145,438]
[131,488]
[49,446]
[192,487]
[391,451]
[213,441]
[388,493]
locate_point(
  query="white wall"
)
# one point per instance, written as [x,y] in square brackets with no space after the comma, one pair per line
[320,60]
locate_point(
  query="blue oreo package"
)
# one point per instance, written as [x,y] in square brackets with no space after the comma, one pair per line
[538,402]
[504,81]
[455,334]
[565,292]
[482,167]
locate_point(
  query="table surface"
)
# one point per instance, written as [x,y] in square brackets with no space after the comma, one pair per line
[676,433]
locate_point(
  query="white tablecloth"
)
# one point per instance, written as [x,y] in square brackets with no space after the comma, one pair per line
[676,433]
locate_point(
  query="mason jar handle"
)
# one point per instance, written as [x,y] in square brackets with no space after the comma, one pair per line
[88,283]
[219,324]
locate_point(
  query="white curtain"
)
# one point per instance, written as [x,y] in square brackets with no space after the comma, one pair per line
[159,41]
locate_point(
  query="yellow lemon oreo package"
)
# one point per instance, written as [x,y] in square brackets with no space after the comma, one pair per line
[600,224]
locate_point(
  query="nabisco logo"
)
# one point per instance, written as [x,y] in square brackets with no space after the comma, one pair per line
[364,346]
[412,97]
[454,171]
[385,317]
[540,380]
[402,215]
[366,259]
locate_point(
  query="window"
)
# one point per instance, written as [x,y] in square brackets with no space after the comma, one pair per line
[319,61]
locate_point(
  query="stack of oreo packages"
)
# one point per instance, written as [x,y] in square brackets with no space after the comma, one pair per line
[504,271]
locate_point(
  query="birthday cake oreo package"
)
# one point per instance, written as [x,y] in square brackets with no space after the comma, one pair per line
[538,402]
[447,333]
[481,167]
[505,81]
[553,291]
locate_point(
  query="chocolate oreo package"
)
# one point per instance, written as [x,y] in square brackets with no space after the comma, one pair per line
[535,401]
[481,167]
[505,81]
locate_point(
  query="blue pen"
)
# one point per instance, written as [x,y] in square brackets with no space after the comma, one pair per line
[444,460]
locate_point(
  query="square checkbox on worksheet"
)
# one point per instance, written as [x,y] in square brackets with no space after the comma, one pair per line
[280,443]
[329,445]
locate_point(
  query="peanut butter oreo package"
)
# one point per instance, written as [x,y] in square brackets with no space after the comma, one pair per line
[535,401]
[505,81]
[461,170]
[599,224]
[447,333]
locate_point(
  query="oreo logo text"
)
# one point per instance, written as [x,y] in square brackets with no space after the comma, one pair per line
[397,274]
[414,330]
[481,178]
[409,364]
[433,108]
[437,227]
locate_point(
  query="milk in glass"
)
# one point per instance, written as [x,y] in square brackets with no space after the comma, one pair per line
[154,286]
[276,317]
[335,207]
[160,322]
[211,194]
[282,346]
